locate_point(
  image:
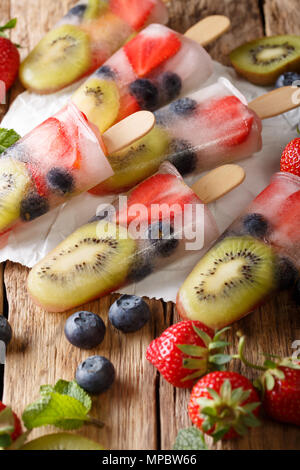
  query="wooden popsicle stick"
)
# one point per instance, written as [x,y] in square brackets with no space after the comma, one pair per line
[276,102]
[208,29]
[218,182]
[126,132]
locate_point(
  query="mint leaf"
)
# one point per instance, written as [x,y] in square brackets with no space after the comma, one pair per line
[66,406]
[8,137]
[190,439]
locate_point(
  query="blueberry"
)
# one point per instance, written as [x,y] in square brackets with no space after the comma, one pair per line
[95,375]
[161,235]
[78,10]
[256,225]
[163,117]
[5,330]
[141,268]
[171,85]
[85,330]
[184,106]
[33,206]
[129,313]
[60,181]
[287,273]
[105,71]
[287,79]
[184,157]
[145,93]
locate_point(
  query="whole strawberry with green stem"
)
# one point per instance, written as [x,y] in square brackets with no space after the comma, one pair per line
[290,158]
[186,351]
[279,386]
[9,56]
[224,405]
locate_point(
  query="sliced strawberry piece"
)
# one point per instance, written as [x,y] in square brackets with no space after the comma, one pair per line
[128,106]
[146,52]
[135,12]
[229,110]
[289,221]
[160,189]
[39,180]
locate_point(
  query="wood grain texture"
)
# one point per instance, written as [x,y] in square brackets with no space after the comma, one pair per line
[141,411]
[282,17]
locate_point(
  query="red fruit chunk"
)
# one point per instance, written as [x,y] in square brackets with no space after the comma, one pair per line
[229,110]
[135,12]
[160,189]
[290,159]
[145,52]
[18,427]
[288,224]
[128,106]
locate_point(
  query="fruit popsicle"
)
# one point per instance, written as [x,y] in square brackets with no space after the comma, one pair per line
[125,243]
[203,130]
[84,39]
[59,159]
[152,69]
[257,256]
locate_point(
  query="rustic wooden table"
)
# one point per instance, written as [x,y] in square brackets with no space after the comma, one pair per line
[141,411]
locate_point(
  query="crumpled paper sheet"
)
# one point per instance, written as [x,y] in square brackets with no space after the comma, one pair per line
[27,245]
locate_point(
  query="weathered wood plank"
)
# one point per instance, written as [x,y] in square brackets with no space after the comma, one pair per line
[282,17]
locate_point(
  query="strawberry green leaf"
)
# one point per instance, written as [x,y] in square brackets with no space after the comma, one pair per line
[204,336]
[9,25]
[218,344]
[192,350]
[190,363]
[220,333]
[270,381]
[7,423]
[8,137]
[220,359]
[190,439]
[220,433]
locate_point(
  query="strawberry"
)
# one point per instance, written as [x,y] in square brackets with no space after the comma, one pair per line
[11,435]
[224,405]
[288,223]
[134,12]
[128,106]
[279,386]
[290,158]
[9,57]
[146,52]
[231,110]
[161,190]
[187,351]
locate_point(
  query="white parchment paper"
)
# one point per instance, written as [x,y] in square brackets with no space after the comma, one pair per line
[27,245]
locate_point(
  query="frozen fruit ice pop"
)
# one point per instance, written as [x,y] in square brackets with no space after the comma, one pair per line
[258,255]
[84,39]
[198,132]
[162,217]
[59,159]
[152,69]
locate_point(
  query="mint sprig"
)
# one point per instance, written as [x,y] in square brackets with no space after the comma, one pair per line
[66,406]
[190,439]
[8,137]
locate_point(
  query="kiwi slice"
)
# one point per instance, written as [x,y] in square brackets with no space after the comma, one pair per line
[91,262]
[136,163]
[94,9]
[230,281]
[62,441]
[263,60]
[14,182]
[99,100]
[59,59]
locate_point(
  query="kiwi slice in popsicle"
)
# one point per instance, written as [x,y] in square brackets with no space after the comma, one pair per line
[91,262]
[59,59]
[99,100]
[263,60]
[135,163]
[94,9]
[230,281]
[14,182]
[62,441]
